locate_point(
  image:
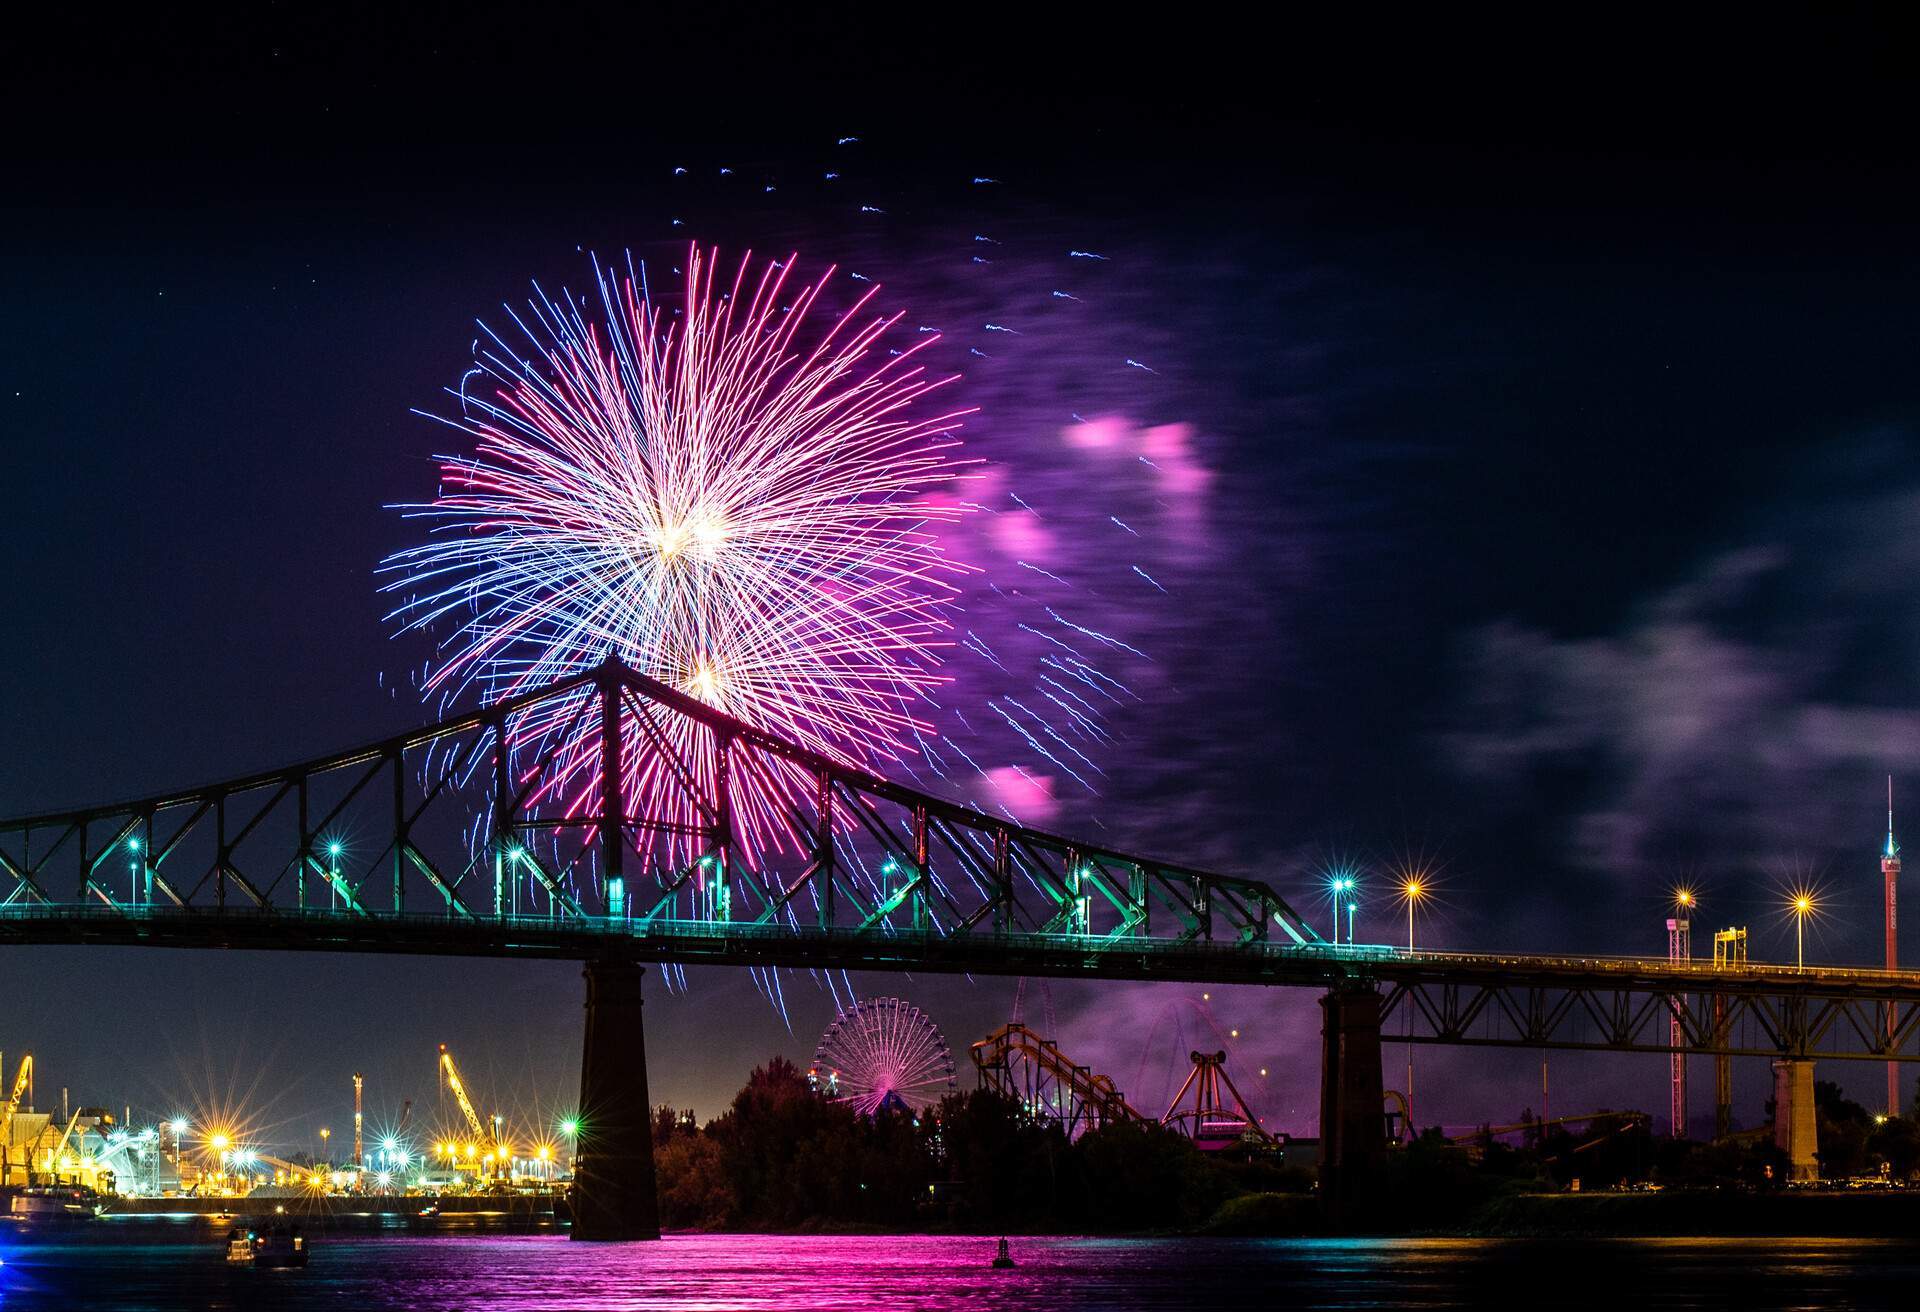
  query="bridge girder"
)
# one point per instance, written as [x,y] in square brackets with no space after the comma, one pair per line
[498,813]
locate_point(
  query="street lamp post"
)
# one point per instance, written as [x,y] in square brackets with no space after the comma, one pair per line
[1412,891]
[1337,886]
[1802,908]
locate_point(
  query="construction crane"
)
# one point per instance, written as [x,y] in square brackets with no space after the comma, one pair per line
[66,1136]
[20,1082]
[482,1135]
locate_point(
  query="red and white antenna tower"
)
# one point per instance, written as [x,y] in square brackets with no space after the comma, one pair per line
[1679,948]
[1890,872]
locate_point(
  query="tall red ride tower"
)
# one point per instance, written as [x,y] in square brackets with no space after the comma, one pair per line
[1890,872]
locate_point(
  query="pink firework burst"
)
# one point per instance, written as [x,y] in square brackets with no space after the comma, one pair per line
[726,498]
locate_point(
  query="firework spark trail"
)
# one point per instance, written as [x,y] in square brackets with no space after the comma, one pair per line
[731,506]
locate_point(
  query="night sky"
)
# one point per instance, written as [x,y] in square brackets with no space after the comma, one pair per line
[1554,528]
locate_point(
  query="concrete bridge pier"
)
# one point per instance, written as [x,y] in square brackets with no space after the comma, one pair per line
[1353,1126]
[613,1188]
[1795,1131]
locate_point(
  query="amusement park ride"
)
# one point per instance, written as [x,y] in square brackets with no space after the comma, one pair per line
[1019,1064]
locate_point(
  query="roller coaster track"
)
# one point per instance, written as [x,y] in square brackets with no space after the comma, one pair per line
[1016,1062]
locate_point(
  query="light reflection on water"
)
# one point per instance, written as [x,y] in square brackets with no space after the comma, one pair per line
[129,1271]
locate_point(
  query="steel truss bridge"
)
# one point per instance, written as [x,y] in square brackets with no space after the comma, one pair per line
[486,835]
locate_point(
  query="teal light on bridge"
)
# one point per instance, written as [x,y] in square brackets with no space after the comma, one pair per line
[333,850]
[616,898]
[1340,889]
[133,845]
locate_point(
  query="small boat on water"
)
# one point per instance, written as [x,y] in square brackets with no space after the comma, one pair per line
[280,1246]
[1003,1258]
[47,1202]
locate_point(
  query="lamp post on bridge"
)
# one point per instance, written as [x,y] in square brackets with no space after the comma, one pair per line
[1336,886]
[1679,949]
[1411,891]
[1802,906]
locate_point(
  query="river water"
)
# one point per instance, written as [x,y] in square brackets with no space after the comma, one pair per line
[128,1271]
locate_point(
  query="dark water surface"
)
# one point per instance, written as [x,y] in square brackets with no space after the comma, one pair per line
[128,1272]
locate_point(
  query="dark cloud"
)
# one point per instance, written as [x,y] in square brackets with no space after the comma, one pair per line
[1737,722]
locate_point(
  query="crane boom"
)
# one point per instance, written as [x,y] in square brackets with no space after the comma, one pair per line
[6,1121]
[480,1134]
[66,1136]
[19,1087]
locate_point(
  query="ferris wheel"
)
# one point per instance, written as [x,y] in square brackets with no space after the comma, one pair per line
[882,1052]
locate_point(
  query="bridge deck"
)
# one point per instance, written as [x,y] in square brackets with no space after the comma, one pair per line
[694,942]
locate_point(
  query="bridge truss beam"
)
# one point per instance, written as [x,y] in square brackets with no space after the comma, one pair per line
[606,801]
[1735,1017]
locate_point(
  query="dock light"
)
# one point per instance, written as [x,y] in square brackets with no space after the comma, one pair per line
[390,1144]
[546,1152]
[219,1141]
[569,1127]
